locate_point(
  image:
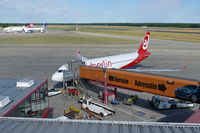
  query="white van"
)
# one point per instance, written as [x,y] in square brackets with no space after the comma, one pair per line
[97,108]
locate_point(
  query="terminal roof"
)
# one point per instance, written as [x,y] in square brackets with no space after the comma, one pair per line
[15,94]
[32,125]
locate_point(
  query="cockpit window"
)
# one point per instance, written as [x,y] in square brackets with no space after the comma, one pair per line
[60,71]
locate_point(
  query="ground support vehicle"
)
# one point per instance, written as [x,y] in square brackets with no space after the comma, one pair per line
[115,102]
[54,92]
[73,113]
[130,101]
[159,102]
[73,91]
[70,91]
[97,108]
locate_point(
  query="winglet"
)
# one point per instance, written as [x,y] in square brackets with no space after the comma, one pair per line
[78,52]
[83,59]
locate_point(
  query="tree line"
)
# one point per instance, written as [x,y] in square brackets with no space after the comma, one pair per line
[181,25]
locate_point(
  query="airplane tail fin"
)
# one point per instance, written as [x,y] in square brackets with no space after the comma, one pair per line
[44,25]
[80,56]
[30,26]
[144,44]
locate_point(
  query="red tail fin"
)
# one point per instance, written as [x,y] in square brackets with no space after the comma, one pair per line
[144,44]
[30,26]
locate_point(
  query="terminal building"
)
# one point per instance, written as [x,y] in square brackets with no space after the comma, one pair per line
[23,97]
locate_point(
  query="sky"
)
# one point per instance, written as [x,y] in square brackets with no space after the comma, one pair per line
[99,11]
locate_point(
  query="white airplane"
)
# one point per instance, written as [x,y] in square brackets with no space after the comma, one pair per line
[121,61]
[39,29]
[16,29]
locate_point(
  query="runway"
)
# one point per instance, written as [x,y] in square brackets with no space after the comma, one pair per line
[41,61]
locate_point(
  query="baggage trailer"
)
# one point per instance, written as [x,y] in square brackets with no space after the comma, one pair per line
[73,113]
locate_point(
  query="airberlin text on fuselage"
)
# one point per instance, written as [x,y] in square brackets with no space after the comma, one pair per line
[104,63]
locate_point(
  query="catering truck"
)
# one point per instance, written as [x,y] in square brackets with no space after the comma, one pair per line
[97,108]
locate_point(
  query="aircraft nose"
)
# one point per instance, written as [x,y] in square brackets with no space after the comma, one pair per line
[57,77]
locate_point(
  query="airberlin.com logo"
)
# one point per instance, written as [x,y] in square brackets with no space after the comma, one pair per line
[104,64]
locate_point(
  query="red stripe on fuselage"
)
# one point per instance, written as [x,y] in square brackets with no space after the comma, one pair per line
[140,58]
[130,64]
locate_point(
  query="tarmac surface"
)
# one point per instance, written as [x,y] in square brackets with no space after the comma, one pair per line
[41,61]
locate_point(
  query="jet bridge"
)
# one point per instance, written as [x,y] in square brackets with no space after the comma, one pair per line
[71,76]
[155,84]
[72,72]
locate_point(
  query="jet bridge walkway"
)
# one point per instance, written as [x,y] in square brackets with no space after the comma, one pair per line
[155,84]
[73,75]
